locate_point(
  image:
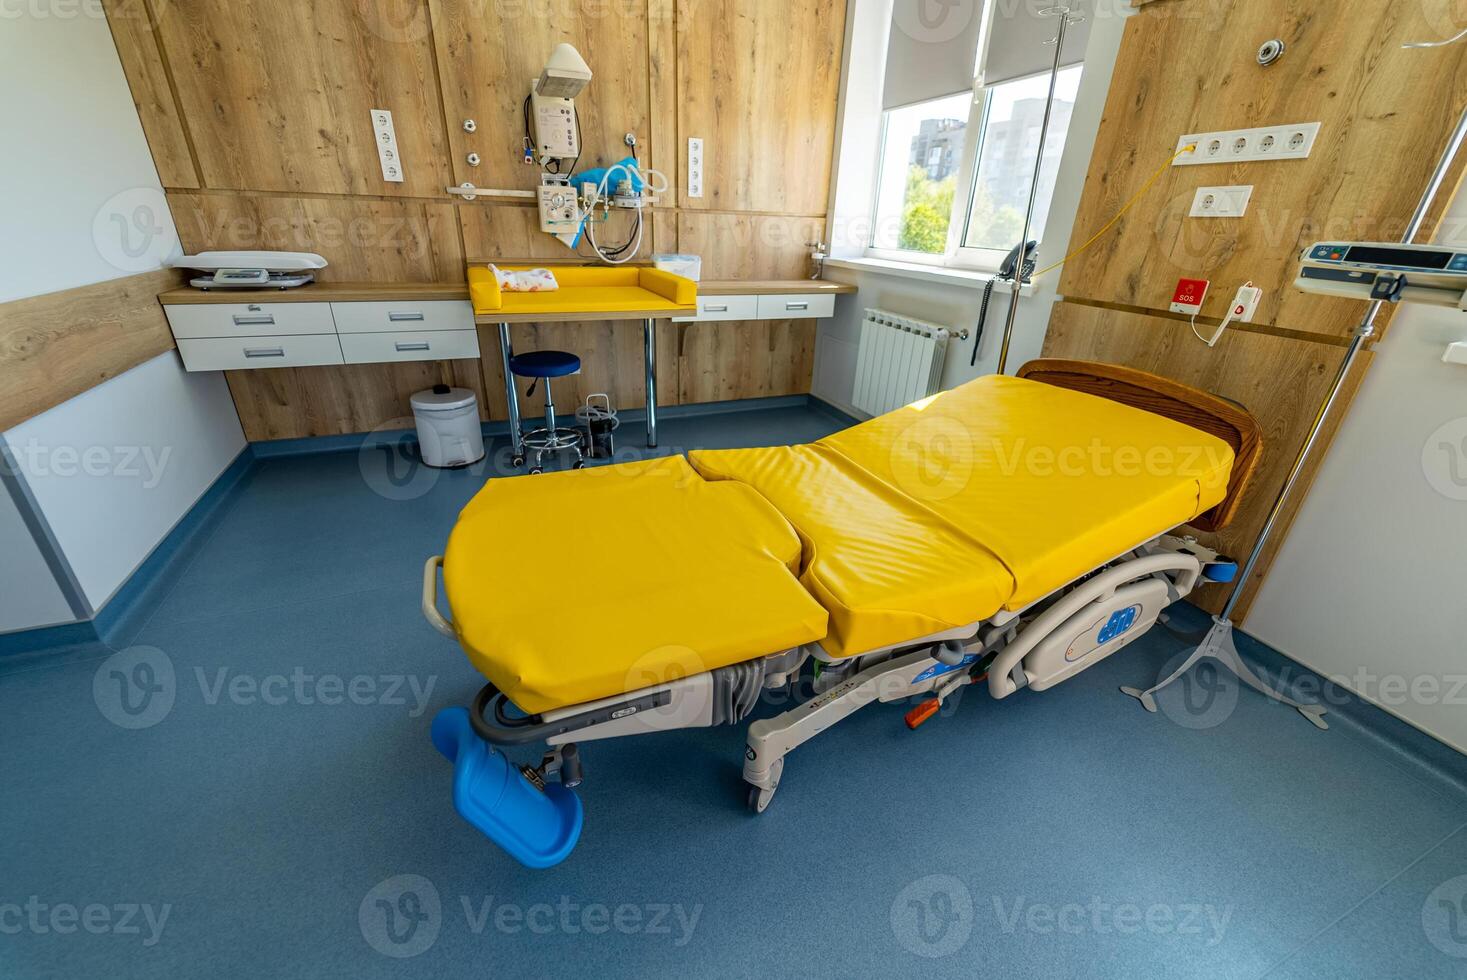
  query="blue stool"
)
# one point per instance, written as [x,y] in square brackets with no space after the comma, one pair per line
[542,365]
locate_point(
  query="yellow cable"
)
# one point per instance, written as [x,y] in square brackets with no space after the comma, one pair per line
[1117,217]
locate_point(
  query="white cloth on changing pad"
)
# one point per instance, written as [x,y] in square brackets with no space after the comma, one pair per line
[526,280]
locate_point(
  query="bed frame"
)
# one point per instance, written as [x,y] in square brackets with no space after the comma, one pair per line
[1216,416]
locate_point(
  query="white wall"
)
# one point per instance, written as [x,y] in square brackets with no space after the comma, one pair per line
[947,303]
[1371,582]
[82,203]
[24,573]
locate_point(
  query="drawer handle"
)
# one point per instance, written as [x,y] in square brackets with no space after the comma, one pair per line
[419,345]
[797,306]
[254,321]
[264,352]
[400,317]
[715,309]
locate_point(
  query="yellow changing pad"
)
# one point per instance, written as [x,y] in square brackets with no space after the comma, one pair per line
[1054,482]
[681,576]
[586,289]
[886,569]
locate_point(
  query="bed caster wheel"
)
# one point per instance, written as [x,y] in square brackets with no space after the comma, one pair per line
[536,470]
[579,464]
[759,799]
[517,461]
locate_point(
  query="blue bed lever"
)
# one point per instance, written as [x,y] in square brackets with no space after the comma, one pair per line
[537,828]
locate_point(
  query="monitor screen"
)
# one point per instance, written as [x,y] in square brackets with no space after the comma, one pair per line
[1409,257]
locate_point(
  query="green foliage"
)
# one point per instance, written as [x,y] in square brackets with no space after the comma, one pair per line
[926,212]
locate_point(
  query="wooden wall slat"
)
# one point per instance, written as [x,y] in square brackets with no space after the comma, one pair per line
[131,22]
[363,239]
[278,94]
[749,246]
[489,53]
[746,359]
[56,346]
[289,403]
[494,231]
[1186,67]
[758,82]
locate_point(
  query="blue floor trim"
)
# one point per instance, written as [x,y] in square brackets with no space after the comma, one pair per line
[128,609]
[1412,747]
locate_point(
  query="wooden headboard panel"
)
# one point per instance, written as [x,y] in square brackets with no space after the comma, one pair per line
[1163,396]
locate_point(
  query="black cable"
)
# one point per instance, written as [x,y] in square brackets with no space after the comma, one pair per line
[982,319]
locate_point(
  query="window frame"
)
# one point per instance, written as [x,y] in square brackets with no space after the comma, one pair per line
[956,255]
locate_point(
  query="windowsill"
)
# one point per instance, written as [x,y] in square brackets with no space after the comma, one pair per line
[969,278]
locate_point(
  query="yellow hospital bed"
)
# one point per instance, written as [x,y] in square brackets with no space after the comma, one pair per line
[1013,529]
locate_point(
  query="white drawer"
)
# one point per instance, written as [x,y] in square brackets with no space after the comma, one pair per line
[417,345]
[239,353]
[793,306]
[392,317]
[249,319]
[724,308]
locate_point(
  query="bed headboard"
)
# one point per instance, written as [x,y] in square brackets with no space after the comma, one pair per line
[1151,392]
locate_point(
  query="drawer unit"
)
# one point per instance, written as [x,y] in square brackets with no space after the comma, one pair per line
[249,319]
[415,345]
[237,353]
[396,316]
[792,306]
[724,308]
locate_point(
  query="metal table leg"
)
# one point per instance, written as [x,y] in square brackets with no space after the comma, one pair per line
[511,396]
[649,343]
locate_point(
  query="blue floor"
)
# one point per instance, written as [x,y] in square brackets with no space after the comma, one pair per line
[245,828]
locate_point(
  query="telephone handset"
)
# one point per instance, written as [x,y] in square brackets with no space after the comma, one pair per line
[1007,271]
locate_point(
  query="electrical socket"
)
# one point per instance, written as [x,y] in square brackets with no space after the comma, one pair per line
[695,167]
[1289,142]
[1221,202]
[386,139]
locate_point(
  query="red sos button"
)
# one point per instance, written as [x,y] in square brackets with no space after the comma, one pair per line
[1189,296]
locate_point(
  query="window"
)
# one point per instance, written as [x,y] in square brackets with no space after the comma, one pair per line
[921,154]
[944,197]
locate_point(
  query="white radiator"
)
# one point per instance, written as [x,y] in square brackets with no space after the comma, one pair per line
[898,362]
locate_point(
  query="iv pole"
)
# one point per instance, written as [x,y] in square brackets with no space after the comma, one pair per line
[1218,643]
[1063,12]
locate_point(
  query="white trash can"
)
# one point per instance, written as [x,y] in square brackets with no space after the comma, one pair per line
[448,426]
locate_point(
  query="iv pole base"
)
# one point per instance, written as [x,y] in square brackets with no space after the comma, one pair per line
[1218,644]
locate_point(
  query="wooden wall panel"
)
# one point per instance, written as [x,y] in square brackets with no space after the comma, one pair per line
[131,22]
[749,246]
[1281,381]
[758,82]
[745,359]
[56,346]
[1344,67]
[364,240]
[289,403]
[277,94]
[490,52]
[497,231]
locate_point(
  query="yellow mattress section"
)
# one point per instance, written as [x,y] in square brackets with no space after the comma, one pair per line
[586,289]
[887,569]
[1054,482]
[578,585]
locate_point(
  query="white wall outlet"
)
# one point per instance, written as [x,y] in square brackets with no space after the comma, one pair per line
[695,167]
[1221,202]
[386,138]
[1293,141]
